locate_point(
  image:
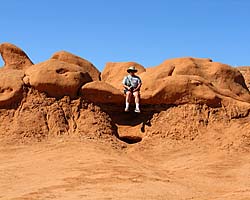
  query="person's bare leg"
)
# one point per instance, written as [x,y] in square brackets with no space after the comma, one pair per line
[128,98]
[137,101]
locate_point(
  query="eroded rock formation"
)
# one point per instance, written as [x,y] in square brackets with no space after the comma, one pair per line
[14,57]
[57,78]
[102,92]
[11,87]
[181,99]
[87,67]
[245,71]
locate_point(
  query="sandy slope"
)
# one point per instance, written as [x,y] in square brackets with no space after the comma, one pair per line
[93,170]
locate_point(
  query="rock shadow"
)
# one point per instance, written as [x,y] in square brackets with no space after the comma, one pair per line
[121,118]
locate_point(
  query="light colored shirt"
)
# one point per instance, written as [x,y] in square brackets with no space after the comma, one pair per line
[133,81]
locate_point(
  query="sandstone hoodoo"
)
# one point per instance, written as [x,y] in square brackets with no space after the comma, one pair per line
[57,78]
[190,78]
[183,80]
[14,57]
[87,67]
[181,99]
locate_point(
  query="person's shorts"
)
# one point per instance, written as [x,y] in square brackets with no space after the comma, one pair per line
[126,90]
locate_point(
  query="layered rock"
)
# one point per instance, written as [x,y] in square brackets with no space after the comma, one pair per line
[14,57]
[39,118]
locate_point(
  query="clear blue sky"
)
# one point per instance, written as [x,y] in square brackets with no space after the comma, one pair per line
[145,31]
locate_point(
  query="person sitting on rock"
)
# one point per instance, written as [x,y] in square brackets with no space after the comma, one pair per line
[132,85]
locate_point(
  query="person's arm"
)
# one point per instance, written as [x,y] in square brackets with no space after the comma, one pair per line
[137,88]
[126,87]
[124,82]
[139,85]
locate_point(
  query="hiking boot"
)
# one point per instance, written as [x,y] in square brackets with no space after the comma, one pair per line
[137,110]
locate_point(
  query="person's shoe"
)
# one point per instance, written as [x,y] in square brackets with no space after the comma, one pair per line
[126,110]
[137,110]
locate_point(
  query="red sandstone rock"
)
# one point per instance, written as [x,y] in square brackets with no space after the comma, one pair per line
[205,95]
[174,77]
[87,67]
[11,87]
[102,92]
[245,70]
[57,78]
[14,57]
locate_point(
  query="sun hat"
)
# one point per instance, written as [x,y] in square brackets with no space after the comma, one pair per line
[131,69]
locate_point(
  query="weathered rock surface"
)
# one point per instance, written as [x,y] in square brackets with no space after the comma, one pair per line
[187,79]
[192,135]
[181,100]
[245,71]
[14,57]
[180,90]
[220,75]
[11,87]
[183,80]
[87,67]
[102,92]
[57,78]
[39,118]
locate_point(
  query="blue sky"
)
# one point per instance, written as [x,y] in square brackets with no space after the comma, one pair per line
[144,31]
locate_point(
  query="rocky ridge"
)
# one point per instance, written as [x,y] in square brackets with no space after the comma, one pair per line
[182,100]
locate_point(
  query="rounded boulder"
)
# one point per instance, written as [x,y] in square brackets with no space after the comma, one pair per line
[11,87]
[57,78]
[227,80]
[180,90]
[102,92]
[87,67]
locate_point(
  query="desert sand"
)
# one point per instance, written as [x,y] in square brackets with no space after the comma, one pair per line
[64,134]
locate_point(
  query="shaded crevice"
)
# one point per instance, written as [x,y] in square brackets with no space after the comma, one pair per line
[119,117]
[137,121]
[61,71]
[130,139]
[171,71]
